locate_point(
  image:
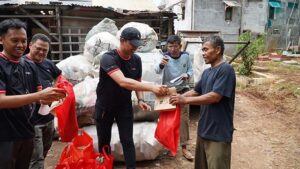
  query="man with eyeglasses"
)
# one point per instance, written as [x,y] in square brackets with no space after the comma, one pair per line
[43,124]
[19,93]
[178,64]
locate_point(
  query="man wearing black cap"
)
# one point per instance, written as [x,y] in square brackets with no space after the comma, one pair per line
[120,74]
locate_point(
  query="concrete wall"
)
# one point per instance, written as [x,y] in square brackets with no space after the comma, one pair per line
[210,16]
[255,16]
[186,23]
[281,32]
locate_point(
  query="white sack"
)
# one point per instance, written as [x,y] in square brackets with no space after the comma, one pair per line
[106,25]
[85,94]
[199,65]
[76,68]
[103,41]
[147,34]
[146,146]
[149,61]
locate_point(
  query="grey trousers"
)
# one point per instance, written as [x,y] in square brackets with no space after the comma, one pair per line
[42,144]
[184,125]
[212,155]
[184,122]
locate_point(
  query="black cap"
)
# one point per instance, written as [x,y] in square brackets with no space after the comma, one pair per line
[133,35]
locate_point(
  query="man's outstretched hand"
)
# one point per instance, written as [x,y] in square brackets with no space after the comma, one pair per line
[177,99]
[160,90]
[51,94]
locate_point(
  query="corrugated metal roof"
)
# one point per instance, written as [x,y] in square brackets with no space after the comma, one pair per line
[134,5]
[168,4]
[117,5]
[48,6]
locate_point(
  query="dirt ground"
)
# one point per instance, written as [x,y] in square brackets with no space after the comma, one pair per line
[267,123]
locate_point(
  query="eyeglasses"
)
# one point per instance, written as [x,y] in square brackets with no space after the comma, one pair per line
[173,46]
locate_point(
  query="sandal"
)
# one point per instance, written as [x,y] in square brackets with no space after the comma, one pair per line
[187,154]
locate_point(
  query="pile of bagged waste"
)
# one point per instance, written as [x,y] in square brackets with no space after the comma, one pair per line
[83,72]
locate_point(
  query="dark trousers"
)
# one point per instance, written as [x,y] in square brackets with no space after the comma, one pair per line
[42,144]
[124,119]
[212,154]
[15,154]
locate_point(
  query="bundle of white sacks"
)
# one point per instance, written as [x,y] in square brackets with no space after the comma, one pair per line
[83,71]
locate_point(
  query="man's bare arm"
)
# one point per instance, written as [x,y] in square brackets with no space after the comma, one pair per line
[132,84]
[14,101]
[190,98]
[208,98]
[190,93]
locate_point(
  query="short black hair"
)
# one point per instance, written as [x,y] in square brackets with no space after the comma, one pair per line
[40,36]
[216,41]
[174,39]
[7,24]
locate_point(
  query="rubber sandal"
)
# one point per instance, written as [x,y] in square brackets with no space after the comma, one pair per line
[187,154]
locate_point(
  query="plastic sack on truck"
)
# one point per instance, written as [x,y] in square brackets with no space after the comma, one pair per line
[76,68]
[146,146]
[85,94]
[94,46]
[106,25]
[147,34]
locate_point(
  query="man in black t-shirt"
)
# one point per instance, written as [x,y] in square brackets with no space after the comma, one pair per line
[48,73]
[19,92]
[215,92]
[120,73]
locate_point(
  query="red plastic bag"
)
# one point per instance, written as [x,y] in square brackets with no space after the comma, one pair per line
[108,157]
[79,154]
[81,146]
[85,163]
[168,129]
[66,113]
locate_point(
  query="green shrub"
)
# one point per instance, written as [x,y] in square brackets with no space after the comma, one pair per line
[256,47]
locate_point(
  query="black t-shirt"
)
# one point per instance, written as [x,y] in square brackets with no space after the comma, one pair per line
[109,94]
[48,72]
[216,120]
[17,78]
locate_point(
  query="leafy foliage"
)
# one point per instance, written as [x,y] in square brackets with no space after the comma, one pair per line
[256,47]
